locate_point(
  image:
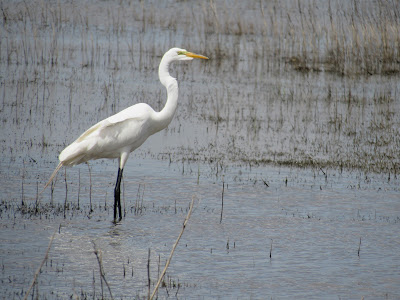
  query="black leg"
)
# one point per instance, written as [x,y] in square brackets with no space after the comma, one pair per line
[119,199]
[117,196]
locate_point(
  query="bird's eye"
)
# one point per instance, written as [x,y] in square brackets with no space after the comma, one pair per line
[181,52]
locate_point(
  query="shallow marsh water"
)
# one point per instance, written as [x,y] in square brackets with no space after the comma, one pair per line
[306,157]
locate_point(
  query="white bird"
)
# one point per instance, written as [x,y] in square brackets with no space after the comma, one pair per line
[122,133]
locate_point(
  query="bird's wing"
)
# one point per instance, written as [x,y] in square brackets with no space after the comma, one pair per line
[137,112]
[90,131]
[106,139]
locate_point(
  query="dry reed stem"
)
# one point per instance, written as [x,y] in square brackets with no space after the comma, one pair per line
[101,269]
[173,249]
[41,265]
[222,199]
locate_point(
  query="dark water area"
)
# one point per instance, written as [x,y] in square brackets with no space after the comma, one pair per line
[293,124]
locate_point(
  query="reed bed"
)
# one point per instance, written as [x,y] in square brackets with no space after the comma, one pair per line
[58,60]
[347,38]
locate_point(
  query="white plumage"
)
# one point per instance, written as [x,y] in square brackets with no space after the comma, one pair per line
[119,135]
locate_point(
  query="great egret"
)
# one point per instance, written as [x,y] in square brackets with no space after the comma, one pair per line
[120,134]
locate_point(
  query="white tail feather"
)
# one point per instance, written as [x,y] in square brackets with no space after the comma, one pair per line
[52,176]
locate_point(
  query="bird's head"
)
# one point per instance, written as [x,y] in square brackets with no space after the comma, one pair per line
[174,54]
[182,54]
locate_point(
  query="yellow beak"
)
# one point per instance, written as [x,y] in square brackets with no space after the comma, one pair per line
[194,55]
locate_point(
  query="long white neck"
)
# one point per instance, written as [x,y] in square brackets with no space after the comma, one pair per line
[165,116]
